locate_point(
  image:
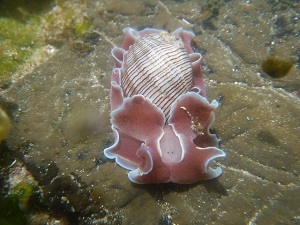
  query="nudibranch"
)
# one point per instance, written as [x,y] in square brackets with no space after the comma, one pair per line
[159,112]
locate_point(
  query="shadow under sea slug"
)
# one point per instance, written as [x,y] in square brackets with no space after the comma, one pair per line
[159,112]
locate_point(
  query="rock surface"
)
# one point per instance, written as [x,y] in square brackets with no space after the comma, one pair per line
[60,118]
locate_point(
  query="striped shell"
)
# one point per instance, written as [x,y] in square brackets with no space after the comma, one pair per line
[158,67]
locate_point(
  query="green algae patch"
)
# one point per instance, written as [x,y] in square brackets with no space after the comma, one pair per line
[14,207]
[67,21]
[10,212]
[82,27]
[19,22]
[26,27]
[17,43]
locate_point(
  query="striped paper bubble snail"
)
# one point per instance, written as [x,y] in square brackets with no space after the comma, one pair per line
[159,112]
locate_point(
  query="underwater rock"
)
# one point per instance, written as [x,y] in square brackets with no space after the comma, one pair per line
[258,122]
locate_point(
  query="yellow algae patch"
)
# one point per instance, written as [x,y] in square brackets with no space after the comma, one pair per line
[4,124]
